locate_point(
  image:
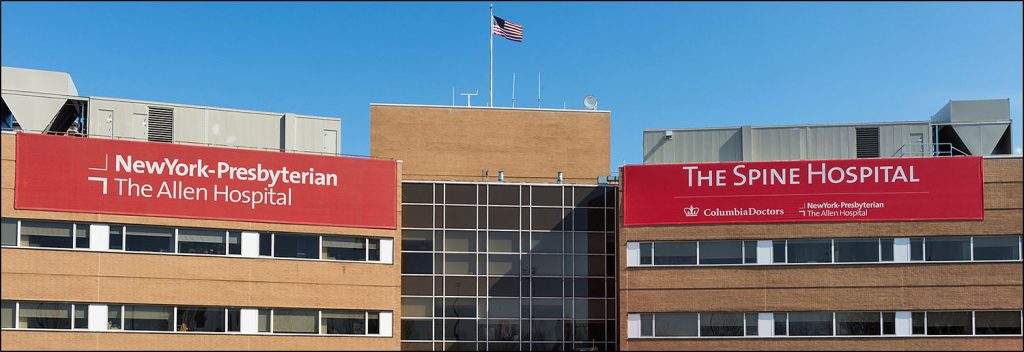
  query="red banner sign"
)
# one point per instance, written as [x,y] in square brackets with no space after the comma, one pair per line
[94,175]
[941,188]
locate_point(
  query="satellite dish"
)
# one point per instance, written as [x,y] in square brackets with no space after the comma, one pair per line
[590,102]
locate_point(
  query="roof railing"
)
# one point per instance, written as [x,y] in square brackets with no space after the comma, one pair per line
[927,149]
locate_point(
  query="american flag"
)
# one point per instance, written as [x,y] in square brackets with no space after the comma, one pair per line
[509,30]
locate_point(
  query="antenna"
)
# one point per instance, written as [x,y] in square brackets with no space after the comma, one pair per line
[469,97]
[513,89]
[538,89]
[563,104]
[453,95]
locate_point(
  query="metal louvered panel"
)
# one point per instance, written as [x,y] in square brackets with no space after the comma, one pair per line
[867,142]
[161,124]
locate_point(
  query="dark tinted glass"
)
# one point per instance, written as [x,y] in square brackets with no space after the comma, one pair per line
[750,252]
[546,242]
[949,323]
[417,240]
[503,218]
[996,248]
[809,251]
[503,195]
[810,324]
[149,239]
[547,287]
[266,243]
[856,250]
[675,324]
[997,323]
[460,329]
[460,194]
[646,254]
[416,329]
[503,286]
[503,330]
[547,218]
[721,252]
[460,307]
[421,216]
[721,324]
[887,244]
[588,219]
[417,193]
[675,253]
[588,196]
[417,263]
[546,308]
[546,330]
[460,286]
[46,234]
[417,285]
[858,323]
[947,248]
[916,249]
[200,319]
[460,217]
[778,251]
[296,246]
[547,196]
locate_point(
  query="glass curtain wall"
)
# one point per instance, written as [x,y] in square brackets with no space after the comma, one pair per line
[498,266]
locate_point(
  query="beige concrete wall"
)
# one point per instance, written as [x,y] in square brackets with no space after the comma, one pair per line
[150,278]
[918,286]
[453,143]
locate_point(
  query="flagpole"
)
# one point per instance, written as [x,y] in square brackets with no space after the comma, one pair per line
[490,101]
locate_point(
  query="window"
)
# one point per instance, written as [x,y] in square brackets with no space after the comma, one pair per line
[546,242]
[503,264]
[373,323]
[675,324]
[888,323]
[997,248]
[420,216]
[809,251]
[460,241]
[887,248]
[417,263]
[296,246]
[234,319]
[149,239]
[9,232]
[546,265]
[947,248]
[46,234]
[721,252]
[295,321]
[6,315]
[781,324]
[997,323]
[646,324]
[750,252]
[948,323]
[916,249]
[417,307]
[751,324]
[263,320]
[80,316]
[417,240]
[779,251]
[417,193]
[646,253]
[197,241]
[200,319]
[810,324]
[721,324]
[857,250]
[503,241]
[116,237]
[343,322]
[147,318]
[44,315]
[81,236]
[114,317]
[917,323]
[503,330]
[417,329]
[234,242]
[266,244]
[675,253]
[344,248]
[503,308]
[858,323]
[460,264]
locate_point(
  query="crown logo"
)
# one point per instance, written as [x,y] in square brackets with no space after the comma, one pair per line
[691,211]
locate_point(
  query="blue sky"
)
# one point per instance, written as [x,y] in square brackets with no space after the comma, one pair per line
[654,65]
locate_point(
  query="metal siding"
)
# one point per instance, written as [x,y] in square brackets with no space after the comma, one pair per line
[893,137]
[781,143]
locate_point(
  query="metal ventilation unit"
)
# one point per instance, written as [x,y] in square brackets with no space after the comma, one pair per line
[161,124]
